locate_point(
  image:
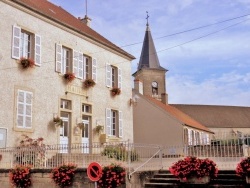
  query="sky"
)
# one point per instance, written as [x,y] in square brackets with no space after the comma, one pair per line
[204,44]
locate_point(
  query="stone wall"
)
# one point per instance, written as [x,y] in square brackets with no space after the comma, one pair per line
[41,179]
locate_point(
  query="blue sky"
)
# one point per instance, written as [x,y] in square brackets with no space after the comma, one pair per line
[213,70]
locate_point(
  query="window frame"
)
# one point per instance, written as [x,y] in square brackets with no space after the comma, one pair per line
[34,44]
[114,126]
[22,113]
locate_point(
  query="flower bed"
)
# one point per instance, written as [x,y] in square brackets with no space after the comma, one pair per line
[193,167]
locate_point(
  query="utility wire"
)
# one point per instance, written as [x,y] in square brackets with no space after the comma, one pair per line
[176,34]
[209,34]
[196,28]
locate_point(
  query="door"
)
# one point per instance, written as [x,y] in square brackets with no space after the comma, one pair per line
[64,133]
[85,134]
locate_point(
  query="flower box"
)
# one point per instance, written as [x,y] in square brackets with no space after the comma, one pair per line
[26,62]
[89,83]
[115,91]
[69,76]
[248,179]
[242,169]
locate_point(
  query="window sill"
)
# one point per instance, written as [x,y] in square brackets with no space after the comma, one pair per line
[19,129]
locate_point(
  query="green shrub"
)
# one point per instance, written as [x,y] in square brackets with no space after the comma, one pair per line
[120,153]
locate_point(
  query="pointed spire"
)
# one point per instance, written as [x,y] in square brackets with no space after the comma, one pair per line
[149,58]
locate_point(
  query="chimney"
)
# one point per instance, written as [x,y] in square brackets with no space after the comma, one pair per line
[164,98]
[138,86]
[86,20]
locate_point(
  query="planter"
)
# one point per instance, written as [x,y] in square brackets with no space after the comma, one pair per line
[195,180]
[89,83]
[115,91]
[26,63]
[248,179]
[69,77]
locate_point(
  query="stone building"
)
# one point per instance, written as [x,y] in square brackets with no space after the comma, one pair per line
[33,97]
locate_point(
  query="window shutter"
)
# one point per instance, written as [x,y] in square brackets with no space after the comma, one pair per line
[94,70]
[59,58]
[84,67]
[28,110]
[80,65]
[16,39]
[120,124]
[108,121]
[24,109]
[119,78]
[75,63]
[108,75]
[20,109]
[38,50]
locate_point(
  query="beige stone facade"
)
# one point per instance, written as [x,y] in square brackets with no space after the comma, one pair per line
[45,91]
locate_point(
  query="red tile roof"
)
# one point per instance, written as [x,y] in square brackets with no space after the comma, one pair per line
[187,120]
[58,14]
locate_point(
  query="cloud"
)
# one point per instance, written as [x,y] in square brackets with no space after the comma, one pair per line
[230,89]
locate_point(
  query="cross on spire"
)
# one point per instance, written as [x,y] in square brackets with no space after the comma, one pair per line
[147,17]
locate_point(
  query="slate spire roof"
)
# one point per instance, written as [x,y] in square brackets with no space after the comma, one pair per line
[149,58]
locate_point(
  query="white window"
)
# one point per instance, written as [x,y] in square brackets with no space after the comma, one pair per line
[86,108]
[89,68]
[24,109]
[65,104]
[113,76]
[26,44]
[64,59]
[114,125]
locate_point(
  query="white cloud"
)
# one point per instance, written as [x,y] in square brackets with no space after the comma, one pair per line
[229,89]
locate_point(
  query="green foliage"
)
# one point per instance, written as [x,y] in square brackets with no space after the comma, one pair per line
[120,153]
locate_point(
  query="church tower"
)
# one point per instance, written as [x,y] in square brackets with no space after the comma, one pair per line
[150,76]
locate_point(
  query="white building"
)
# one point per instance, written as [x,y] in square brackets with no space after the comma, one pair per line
[60,43]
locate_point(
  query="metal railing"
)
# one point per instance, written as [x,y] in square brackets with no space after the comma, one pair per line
[136,157]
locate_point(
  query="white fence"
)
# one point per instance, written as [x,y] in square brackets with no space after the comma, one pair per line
[135,157]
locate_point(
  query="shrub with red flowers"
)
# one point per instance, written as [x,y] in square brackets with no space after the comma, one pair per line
[20,176]
[63,176]
[69,76]
[112,176]
[193,167]
[115,91]
[30,151]
[243,168]
[26,62]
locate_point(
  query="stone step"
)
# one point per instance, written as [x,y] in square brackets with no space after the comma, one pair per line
[164,180]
